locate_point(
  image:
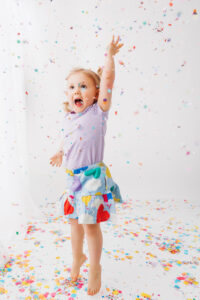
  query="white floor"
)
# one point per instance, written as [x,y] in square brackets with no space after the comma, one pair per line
[152,252]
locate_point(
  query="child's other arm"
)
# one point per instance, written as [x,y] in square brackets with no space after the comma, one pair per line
[57,158]
[108,76]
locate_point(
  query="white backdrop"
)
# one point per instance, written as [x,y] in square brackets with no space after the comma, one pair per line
[152,142]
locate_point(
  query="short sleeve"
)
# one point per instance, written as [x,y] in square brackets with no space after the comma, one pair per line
[99,111]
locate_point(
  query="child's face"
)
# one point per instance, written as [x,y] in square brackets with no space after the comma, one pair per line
[80,86]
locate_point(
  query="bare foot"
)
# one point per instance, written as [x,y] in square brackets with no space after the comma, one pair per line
[94,281]
[76,267]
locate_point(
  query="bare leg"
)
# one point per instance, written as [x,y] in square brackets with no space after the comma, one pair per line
[95,242]
[77,237]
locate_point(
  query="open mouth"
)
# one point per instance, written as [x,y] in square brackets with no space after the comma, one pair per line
[78,102]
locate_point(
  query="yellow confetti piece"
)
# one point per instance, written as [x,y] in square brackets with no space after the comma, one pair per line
[150,254]
[3,291]
[61,278]
[58,257]
[39,284]
[35,293]
[24,283]
[46,286]
[115,292]
[145,295]
[25,265]
[73,291]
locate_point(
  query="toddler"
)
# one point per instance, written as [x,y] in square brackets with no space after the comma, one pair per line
[90,194]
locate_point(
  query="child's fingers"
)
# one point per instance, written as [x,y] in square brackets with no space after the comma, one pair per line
[52,163]
[56,161]
[117,40]
[120,45]
[58,164]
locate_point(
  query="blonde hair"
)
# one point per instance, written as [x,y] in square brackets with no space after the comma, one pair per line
[96,77]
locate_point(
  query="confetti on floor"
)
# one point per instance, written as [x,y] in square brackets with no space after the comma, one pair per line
[152,252]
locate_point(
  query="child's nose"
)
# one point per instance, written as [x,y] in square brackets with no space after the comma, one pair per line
[76,89]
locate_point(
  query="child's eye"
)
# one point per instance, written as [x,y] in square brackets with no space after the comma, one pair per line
[83,85]
[71,87]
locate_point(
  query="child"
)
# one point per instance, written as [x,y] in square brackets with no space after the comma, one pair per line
[91,192]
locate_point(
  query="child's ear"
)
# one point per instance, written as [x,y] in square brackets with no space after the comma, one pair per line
[97,94]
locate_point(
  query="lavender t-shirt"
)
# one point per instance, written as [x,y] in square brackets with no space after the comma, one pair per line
[84,137]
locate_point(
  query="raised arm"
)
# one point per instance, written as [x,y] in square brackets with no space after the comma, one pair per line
[108,76]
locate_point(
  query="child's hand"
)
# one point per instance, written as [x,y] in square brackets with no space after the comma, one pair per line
[114,47]
[57,159]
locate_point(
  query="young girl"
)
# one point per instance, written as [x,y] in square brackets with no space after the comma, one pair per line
[90,194]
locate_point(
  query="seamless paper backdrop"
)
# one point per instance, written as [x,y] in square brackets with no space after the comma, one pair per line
[152,141]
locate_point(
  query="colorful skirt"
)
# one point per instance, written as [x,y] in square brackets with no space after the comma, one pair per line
[90,195]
